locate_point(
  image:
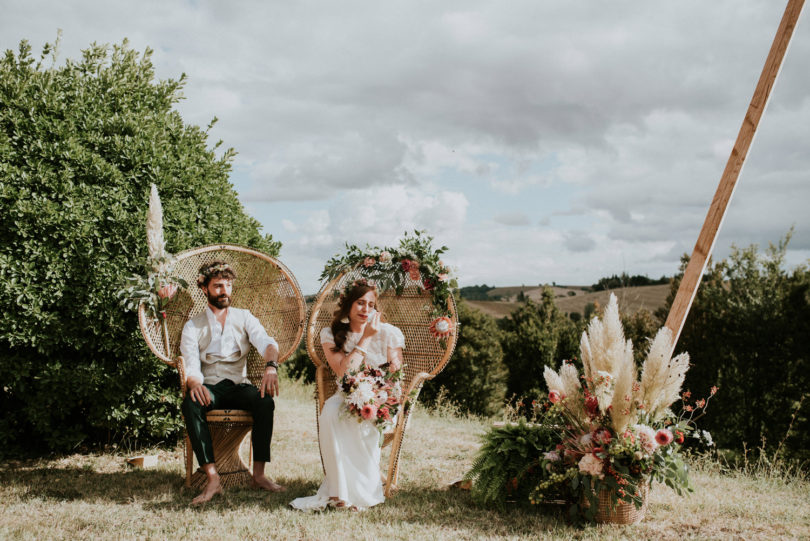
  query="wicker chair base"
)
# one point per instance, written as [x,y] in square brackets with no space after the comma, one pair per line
[228,429]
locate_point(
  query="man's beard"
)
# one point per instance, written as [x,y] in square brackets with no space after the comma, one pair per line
[223,301]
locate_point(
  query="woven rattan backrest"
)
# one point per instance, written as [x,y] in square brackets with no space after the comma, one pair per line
[263,285]
[410,312]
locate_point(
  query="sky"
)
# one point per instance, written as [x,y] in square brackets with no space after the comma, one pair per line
[540,141]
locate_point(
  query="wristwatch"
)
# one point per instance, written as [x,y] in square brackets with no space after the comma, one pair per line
[274,364]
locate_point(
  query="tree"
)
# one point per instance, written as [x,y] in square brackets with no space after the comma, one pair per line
[748,332]
[535,335]
[79,146]
[475,376]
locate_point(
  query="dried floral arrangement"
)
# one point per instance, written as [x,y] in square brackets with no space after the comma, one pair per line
[613,432]
[157,287]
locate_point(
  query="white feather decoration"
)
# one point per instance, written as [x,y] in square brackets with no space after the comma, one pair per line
[154,226]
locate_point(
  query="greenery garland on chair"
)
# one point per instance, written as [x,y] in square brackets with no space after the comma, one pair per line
[389,268]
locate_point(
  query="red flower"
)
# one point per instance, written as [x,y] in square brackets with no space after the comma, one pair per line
[687,394]
[602,436]
[592,405]
[384,413]
[554,397]
[406,265]
[713,389]
[679,437]
[441,327]
[428,284]
[663,437]
[700,403]
[167,291]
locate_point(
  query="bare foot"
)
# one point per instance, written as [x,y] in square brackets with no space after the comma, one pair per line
[263,483]
[212,488]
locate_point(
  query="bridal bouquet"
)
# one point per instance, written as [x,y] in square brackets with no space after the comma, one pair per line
[373,394]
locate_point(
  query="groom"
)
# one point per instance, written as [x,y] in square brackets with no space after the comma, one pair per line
[214,346]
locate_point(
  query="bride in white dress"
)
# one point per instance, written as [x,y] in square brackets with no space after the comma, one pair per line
[351,449]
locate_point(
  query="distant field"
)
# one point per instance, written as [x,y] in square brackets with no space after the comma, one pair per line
[631,299]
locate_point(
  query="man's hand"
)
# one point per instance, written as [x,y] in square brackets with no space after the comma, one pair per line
[199,393]
[269,382]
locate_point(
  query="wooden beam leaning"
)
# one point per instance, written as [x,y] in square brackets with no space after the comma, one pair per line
[728,181]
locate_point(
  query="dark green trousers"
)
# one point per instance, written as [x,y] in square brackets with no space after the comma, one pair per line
[229,395]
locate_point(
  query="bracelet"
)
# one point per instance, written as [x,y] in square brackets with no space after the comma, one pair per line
[274,364]
[361,350]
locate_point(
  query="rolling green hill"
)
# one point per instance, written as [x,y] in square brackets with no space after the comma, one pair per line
[575,298]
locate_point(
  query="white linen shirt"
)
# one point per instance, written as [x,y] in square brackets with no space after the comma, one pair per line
[223,340]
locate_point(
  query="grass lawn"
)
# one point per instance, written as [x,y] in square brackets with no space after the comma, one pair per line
[99,496]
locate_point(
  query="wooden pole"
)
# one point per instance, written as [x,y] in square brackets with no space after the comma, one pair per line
[728,181]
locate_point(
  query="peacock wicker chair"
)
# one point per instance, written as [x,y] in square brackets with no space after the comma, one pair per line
[424,356]
[268,289]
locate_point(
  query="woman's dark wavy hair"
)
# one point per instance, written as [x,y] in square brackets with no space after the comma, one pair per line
[340,330]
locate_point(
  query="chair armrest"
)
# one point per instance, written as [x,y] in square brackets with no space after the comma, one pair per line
[181,372]
[417,383]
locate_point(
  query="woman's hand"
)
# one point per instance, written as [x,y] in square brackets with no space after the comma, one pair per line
[372,326]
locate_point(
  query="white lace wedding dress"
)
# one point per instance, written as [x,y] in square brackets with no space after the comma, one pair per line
[350,449]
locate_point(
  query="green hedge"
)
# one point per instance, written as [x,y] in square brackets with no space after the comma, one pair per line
[80,144]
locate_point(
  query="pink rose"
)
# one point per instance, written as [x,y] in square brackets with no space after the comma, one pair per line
[414,271]
[442,277]
[167,291]
[664,437]
[384,413]
[591,465]
[369,412]
[406,265]
[554,397]
[369,262]
[392,400]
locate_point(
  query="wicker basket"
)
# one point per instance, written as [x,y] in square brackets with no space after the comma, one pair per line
[623,512]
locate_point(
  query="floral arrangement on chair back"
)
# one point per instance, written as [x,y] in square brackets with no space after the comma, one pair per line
[388,268]
[157,287]
[614,432]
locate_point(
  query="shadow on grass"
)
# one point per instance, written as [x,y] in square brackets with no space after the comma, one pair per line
[162,490]
[76,483]
[453,509]
[153,489]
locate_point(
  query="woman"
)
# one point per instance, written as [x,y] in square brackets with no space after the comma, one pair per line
[351,449]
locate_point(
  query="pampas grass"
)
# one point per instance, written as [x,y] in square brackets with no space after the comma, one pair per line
[610,371]
[154,228]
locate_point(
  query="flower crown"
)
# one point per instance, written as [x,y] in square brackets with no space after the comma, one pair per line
[344,293]
[213,270]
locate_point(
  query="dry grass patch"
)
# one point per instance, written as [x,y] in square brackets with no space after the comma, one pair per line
[99,496]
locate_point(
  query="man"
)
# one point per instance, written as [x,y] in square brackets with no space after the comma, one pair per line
[214,346]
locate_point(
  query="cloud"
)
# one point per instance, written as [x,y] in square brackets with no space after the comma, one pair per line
[357,121]
[512,218]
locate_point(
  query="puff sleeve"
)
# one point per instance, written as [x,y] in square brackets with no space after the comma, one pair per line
[326,336]
[394,338]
